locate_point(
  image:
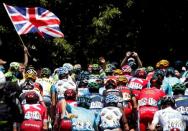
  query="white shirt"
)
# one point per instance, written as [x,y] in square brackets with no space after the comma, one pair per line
[169,118]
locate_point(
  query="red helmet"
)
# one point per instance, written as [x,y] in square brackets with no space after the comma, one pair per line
[38,87]
[141,73]
[126,69]
[31,97]
[70,94]
[111,84]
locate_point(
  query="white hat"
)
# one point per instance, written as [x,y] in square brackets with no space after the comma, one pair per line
[131,59]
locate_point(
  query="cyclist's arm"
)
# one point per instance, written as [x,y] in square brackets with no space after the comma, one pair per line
[124,122]
[155,121]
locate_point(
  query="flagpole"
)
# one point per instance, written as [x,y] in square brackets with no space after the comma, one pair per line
[15,29]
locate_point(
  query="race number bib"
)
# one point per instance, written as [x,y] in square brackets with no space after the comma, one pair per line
[96,105]
[126,96]
[182,110]
[82,125]
[35,115]
[175,123]
[147,101]
[135,85]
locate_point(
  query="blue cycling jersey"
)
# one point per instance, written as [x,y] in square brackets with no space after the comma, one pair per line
[85,120]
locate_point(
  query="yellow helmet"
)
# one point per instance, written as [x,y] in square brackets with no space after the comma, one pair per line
[163,63]
[122,80]
[117,72]
[31,74]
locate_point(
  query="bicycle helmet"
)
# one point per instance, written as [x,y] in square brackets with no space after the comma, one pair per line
[77,68]
[110,84]
[111,99]
[83,83]
[45,72]
[149,69]
[126,69]
[156,81]
[14,66]
[109,69]
[38,87]
[122,80]
[69,66]
[178,88]
[95,68]
[159,72]
[84,75]
[167,100]
[62,72]
[31,74]
[141,73]
[110,66]
[93,87]
[70,94]
[162,64]
[31,97]
[117,72]
[170,71]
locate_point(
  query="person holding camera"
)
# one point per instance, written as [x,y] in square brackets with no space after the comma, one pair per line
[132,59]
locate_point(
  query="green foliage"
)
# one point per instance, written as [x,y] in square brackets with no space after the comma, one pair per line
[130,3]
[44,3]
[62,43]
[99,27]
[102,23]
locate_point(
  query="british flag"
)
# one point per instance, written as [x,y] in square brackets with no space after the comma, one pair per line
[35,19]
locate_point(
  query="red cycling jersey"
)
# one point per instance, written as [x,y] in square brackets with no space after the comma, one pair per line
[34,117]
[148,105]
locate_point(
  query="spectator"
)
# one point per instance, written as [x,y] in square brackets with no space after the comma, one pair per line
[132,59]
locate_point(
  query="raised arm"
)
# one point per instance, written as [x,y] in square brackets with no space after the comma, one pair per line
[139,62]
[25,56]
[128,54]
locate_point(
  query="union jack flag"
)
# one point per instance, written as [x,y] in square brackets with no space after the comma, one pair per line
[35,19]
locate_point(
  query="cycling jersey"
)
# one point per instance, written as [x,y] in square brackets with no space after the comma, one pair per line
[10,107]
[182,107]
[111,118]
[85,119]
[137,84]
[127,99]
[167,84]
[148,105]
[35,115]
[46,84]
[96,104]
[96,101]
[61,86]
[169,119]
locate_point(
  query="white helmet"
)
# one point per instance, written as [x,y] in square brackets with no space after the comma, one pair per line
[69,66]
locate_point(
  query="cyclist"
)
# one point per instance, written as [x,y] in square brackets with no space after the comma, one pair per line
[35,114]
[112,117]
[11,113]
[181,100]
[148,102]
[169,118]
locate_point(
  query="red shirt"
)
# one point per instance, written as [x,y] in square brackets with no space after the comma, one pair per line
[150,96]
